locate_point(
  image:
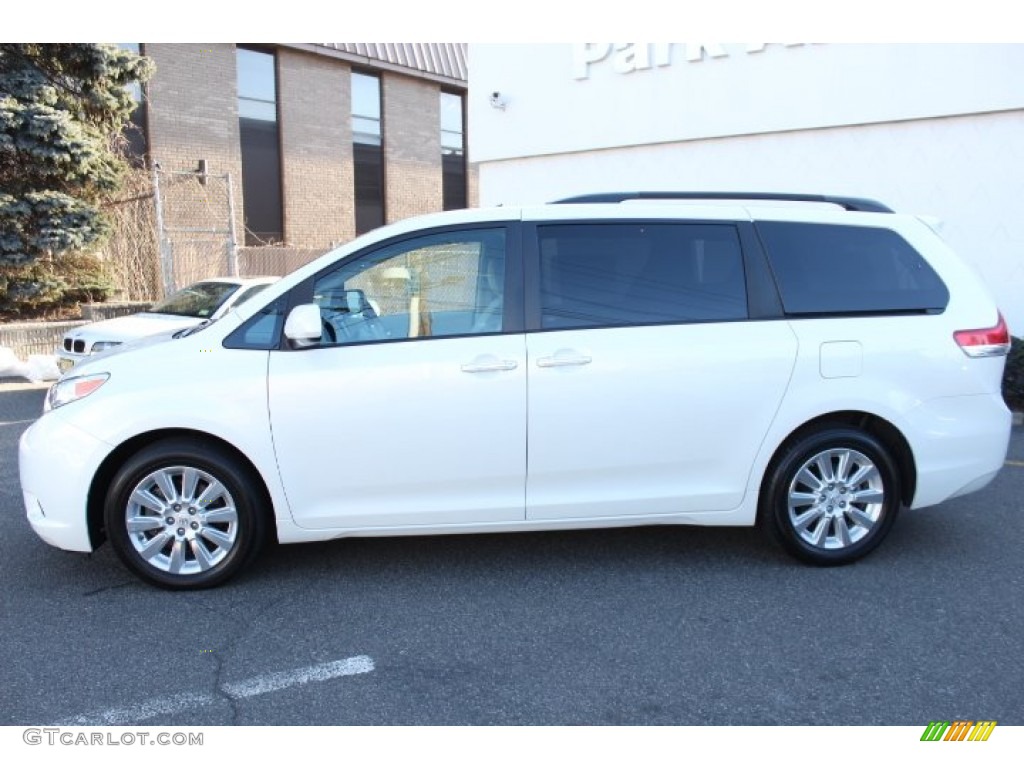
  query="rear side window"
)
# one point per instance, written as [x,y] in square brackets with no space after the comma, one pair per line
[836,269]
[635,274]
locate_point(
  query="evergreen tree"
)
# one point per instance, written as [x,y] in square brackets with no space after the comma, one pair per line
[62,110]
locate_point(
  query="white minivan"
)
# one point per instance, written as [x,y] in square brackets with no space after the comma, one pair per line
[811,364]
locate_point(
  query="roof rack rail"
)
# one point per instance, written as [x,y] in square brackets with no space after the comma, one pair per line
[849,203]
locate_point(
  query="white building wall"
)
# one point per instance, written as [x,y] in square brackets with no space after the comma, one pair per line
[966,169]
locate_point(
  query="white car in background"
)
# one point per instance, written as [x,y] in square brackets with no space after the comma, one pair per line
[190,306]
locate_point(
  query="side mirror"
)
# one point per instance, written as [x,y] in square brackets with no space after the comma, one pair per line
[304,327]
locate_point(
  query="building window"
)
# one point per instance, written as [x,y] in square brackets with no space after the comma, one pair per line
[261,147]
[135,131]
[367,152]
[453,152]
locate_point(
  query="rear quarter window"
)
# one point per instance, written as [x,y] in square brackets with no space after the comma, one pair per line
[836,269]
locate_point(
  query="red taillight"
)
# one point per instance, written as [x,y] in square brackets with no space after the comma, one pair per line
[985,342]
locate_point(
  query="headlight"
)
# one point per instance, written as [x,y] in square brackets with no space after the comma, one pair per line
[99,346]
[68,390]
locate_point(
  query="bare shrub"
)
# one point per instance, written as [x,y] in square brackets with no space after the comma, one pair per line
[131,254]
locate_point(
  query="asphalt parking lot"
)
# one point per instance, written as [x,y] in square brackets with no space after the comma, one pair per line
[681,626]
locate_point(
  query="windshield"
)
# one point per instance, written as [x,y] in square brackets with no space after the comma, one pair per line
[197,300]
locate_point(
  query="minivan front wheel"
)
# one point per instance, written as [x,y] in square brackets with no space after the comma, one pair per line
[183,515]
[832,496]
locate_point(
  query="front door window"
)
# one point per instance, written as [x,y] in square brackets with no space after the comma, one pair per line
[440,285]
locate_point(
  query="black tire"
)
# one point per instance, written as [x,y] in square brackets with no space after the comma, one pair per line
[176,544]
[862,500]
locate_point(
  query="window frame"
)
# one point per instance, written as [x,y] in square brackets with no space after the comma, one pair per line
[136,129]
[379,148]
[250,238]
[762,299]
[353,115]
[446,203]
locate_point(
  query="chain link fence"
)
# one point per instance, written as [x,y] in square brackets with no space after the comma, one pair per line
[130,253]
[266,260]
[195,226]
[195,219]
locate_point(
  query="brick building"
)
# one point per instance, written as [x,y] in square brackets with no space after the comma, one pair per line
[322,141]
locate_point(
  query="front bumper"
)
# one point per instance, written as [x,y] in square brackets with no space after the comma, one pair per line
[57,463]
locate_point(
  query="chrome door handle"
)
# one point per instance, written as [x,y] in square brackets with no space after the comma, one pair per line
[557,360]
[497,365]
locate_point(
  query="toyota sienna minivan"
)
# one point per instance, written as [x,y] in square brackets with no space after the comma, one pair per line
[809,364]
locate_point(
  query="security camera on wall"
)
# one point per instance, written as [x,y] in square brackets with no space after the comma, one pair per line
[498,101]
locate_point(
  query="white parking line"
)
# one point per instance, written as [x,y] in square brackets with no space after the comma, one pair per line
[254,686]
[12,423]
[137,712]
[257,686]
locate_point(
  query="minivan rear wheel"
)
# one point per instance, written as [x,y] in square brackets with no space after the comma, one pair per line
[831,496]
[184,515]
